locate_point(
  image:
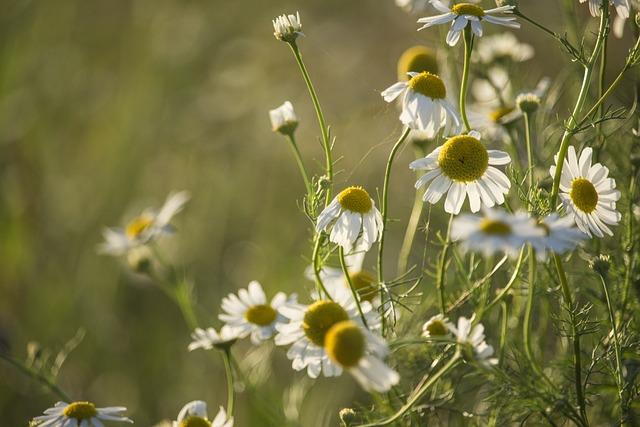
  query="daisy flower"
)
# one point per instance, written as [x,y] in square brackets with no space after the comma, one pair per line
[194,414]
[471,337]
[144,228]
[463,167]
[308,327]
[352,220]
[462,14]
[424,104]
[587,193]
[438,326]
[80,414]
[336,283]
[287,27]
[249,313]
[560,236]
[284,119]
[413,6]
[353,348]
[494,231]
[502,47]
[209,338]
[622,7]
[417,59]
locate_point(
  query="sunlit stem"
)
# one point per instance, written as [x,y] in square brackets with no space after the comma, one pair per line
[303,171]
[601,82]
[441,273]
[507,288]
[354,291]
[468,47]
[38,377]
[320,288]
[228,370]
[324,130]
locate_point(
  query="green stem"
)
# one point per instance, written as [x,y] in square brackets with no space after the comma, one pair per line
[468,47]
[354,291]
[629,244]
[440,273]
[316,266]
[530,158]
[226,357]
[326,143]
[599,145]
[507,287]
[526,325]
[42,379]
[303,170]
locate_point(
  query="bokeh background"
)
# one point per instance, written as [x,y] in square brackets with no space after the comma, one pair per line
[107,106]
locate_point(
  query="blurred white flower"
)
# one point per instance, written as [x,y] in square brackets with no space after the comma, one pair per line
[249,313]
[284,119]
[437,326]
[587,193]
[84,414]
[502,47]
[194,414]
[560,236]
[473,336]
[413,6]
[463,14]
[424,104]
[336,283]
[494,231]
[463,167]
[622,7]
[145,228]
[287,27]
[353,219]
[209,338]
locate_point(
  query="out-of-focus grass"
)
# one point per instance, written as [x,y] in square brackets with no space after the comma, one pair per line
[107,106]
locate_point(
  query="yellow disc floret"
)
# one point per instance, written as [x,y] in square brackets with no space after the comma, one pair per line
[417,59]
[345,344]
[584,195]
[80,410]
[363,282]
[468,9]
[138,226]
[495,227]
[194,421]
[261,315]
[319,318]
[429,85]
[463,158]
[437,328]
[355,199]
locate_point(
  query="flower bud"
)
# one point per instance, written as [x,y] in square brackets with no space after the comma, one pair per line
[501,3]
[601,264]
[284,119]
[287,27]
[140,259]
[324,182]
[347,416]
[528,102]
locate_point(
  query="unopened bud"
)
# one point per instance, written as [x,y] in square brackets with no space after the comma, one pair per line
[287,27]
[347,416]
[284,119]
[140,259]
[501,3]
[601,264]
[528,102]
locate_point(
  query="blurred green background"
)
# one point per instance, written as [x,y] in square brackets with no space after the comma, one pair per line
[107,106]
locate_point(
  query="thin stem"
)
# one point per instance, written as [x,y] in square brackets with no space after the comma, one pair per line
[354,291]
[228,370]
[601,81]
[303,171]
[42,379]
[508,286]
[530,158]
[629,244]
[440,273]
[320,288]
[504,316]
[468,47]
[526,325]
[326,143]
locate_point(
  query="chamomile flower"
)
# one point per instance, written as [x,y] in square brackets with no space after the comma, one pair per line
[284,119]
[80,414]
[494,231]
[622,7]
[249,313]
[424,104]
[287,27]
[352,220]
[471,338]
[336,283]
[194,414]
[417,59]
[308,328]
[144,228]
[413,6]
[210,338]
[501,48]
[463,14]
[463,167]
[587,193]
[438,326]
[353,348]
[560,236]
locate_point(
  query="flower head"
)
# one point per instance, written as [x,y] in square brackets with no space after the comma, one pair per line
[559,236]
[462,14]
[80,414]
[353,220]
[210,338]
[463,167]
[284,119]
[471,338]
[502,47]
[587,193]
[424,104]
[287,27]
[622,7]
[438,326]
[194,414]
[417,59]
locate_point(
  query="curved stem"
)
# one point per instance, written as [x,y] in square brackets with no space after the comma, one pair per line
[37,376]
[315,257]
[326,143]
[468,47]
[354,291]
[508,286]
[228,370]
[303,171]
[440,273]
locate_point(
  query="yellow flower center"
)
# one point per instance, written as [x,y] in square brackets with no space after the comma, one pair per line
[498,114]
[437,328]
[495,227]
[80,410]
[355,199]
[463,158]
[363,282]
[468,9]
[429,85]
[261,315]
[417,59]
[138,226]
[193,421]
[345,344]
[319,318]
[584,195]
